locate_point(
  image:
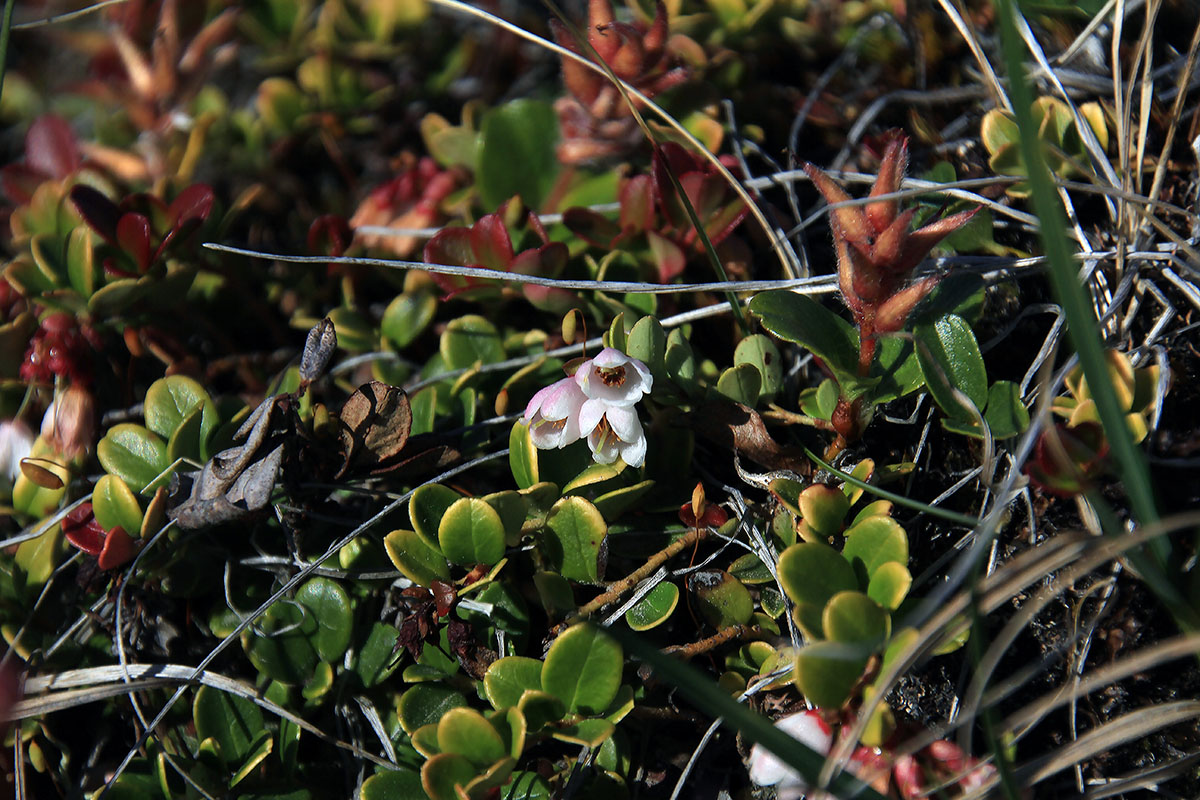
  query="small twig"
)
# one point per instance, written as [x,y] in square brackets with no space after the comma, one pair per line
[686,651]
[618,588]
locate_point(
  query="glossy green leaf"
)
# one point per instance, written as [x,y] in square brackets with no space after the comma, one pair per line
[444,772]
[406,317]
[741,384]
[826,672]
[583,669]
[647,342]
[234,722]
[889,585]
[115,505]
[464,731]
[522,456]
[426,508]
[526,786]
[516,154]
[823,508]
[749,569]
[853,617]
[721,599]
[655,608]
[185,441]
[401,784]
[759,351]
[613,504]
[512,508]
[330,607]
[265,745]
[170,400]
[874,541]
[585,733]
[414,557]
[470,339]
[376,658]
[471,532]
[425,703]
[897,368]
[508,678]
[133,454]
[811,573]
[801,320]
[539,708]
[1006,415]
[574,538]
[950,357]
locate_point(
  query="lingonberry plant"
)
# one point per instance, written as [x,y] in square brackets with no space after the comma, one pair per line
[372,423]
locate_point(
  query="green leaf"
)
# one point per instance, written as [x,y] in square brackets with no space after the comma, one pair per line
[897,368]
[801,320]
[572,542]
[526,786]
[330,607]
[873,542]
[811,573]
[406,317]
[115,505]
[853,617]
[509,678]
[616,502]
[415,558]
[471,532]
[470,339]
[401,784]
[889,585]
[516,154]
[741,384]
[426,508]
[133,454]
[1006,415]
[522,456]
[445,771]
[464,731]
[425,703]
[185,441]
[583,669]
[169,401]
[762,353]
[722,599]
[234,722]
[826,672]
[950,357]
[823,509]
[655,608]
[81,261]
[647,342]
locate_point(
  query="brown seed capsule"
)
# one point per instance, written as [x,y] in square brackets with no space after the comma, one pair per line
[318,349]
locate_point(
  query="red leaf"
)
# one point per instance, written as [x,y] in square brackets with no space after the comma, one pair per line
[194,202]
[97,211]
[669,259]
[83,531]
[329,235]
[133,236]
[637,204]
[591,227]
[450,246]
[50,147]
[118,549]
[491,243]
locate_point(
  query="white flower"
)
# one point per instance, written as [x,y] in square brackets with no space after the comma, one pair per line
[615,378]
[553,415]
[16,441]
[806,727]
[613,431]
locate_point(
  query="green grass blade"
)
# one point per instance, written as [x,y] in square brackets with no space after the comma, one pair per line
[1081,321]
[5,30]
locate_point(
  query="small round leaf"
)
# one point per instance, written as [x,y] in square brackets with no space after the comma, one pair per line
[583,669]
[471,532]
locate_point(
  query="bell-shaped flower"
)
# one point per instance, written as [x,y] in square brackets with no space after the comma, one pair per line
[553,415]
[614,378]
[613,431]
[16,442]
[806,727]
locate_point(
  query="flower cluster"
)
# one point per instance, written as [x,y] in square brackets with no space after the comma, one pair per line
[596,403]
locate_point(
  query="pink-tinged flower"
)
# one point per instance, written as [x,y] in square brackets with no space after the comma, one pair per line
[808,728]
[553,415]
[613,431]
[16,441]
[614,378]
